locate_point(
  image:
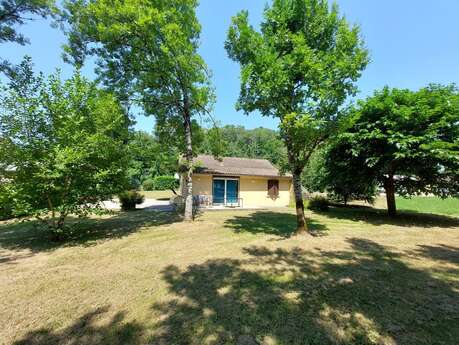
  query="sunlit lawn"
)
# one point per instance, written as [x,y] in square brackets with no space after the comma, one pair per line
[234,277]
[449,206]
[158,194]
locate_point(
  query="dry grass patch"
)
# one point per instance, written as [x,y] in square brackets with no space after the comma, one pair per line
[158,194]
[234,277]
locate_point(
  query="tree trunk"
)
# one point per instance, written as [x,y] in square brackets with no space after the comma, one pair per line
[188,216]
[389,187]
[301,226]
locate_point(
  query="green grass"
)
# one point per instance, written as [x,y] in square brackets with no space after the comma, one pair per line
[449,206]
[158,194]
[234,277]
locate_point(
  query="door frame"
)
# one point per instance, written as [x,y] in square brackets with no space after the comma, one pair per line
[225,179]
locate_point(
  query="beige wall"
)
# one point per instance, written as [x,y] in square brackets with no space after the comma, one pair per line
[202,184]
[252,189]
[254,192]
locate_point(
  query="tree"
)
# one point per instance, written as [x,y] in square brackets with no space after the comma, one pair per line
[344,180]
[300,69]
[64,144]
[147,54]
[407,141]
[149,158]
[14,13]
[236,141]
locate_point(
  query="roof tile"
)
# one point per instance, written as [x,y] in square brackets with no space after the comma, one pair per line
[235,166]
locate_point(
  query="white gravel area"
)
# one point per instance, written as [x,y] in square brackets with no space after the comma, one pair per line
[148,205]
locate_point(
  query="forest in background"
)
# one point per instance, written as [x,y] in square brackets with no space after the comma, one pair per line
[151,157]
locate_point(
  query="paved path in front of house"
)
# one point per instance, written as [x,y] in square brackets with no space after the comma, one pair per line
[147,205]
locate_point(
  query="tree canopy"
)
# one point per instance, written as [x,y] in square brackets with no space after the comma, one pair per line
[343,180]
[147,53]
[63,146]
[407,141]
[300,68]
[14,13]
[237,141]
[148,158]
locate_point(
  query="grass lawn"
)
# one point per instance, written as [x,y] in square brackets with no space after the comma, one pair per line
[158,194]
[234,277]
[449,206]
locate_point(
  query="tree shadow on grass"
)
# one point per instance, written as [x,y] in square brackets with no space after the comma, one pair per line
[33,235]
[440,252]
[377,217]
[281,224]
[364,295]
[87,331]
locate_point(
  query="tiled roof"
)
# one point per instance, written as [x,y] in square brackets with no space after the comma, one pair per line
[235,166]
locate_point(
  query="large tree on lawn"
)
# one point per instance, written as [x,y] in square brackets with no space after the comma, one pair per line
[300,69]
[147,53]
[407,141]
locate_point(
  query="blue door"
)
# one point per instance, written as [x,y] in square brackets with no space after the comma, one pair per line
[232,187]
[219,192]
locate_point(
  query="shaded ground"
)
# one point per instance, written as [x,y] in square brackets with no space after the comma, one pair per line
[234,277]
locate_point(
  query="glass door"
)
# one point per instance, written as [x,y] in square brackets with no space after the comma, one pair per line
[232,188]
[218,192]
[225,191]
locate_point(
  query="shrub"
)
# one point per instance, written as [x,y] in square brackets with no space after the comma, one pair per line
[179,203]
[318,203]
[6,208]
[165,182]
[148,184]
[66,142]
[130,199]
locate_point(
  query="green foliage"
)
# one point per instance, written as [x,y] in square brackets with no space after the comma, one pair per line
[406,141]
[148,184]
[14,13]
[144,48]
[165,182]
[129,199]
[318,203]
[149,157]
[147,53]
[236,141]
[343,180]
[300,69]
[6,201]
[65,140]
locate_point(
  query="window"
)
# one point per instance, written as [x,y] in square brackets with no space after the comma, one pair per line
[273,188]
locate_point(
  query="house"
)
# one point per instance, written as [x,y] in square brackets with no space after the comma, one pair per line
[239,182]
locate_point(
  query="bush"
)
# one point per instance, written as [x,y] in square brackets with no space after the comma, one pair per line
[179,203]
[148,184]
[318,203]
[6,202]
[130,199]
[165,182]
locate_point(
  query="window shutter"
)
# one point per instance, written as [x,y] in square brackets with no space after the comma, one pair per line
[273,188]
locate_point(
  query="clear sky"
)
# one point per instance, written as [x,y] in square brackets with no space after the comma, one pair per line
[411,42]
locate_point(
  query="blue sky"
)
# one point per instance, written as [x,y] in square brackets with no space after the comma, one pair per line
[411,42]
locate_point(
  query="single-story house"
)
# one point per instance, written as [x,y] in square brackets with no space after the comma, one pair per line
[238,182]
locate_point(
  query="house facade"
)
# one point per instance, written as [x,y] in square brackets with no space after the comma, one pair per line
[239,182]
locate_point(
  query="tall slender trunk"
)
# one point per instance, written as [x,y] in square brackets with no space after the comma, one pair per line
[389,187]
[189,166]
[301,226]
